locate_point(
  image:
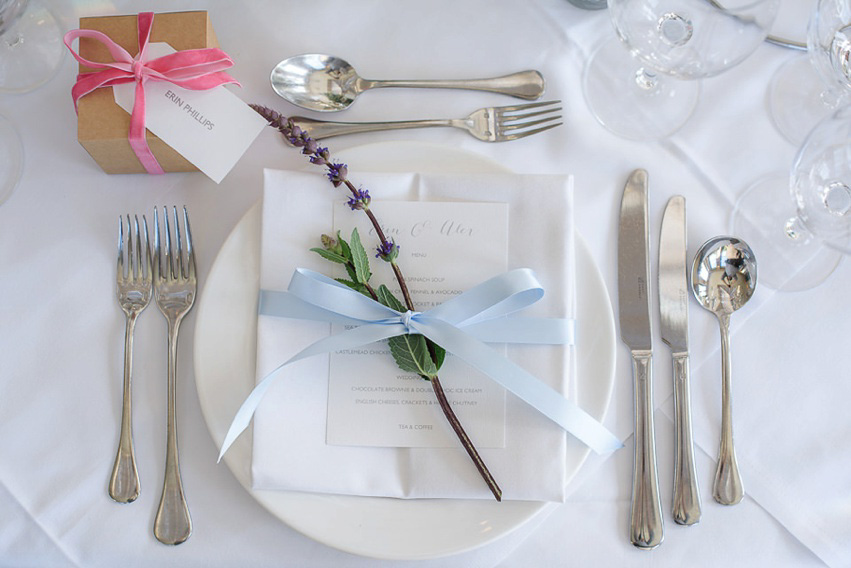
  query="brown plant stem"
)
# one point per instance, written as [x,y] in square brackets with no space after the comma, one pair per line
[401,279]
[380,233]
[465,440]
[320,156]
[468,445]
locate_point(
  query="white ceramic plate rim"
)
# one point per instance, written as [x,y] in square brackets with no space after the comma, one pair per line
[397,529]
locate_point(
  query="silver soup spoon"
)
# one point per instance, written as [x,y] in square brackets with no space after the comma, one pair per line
[723,279]
[326,83]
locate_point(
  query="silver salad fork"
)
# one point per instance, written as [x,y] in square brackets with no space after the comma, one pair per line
[133,288]
[490,124]
[175,287]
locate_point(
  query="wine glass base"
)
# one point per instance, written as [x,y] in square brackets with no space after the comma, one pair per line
[796,99]
[31,51]
[785,263]
[622,100]
[11,159]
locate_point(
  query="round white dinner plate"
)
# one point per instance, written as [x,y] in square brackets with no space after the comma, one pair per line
[225,348]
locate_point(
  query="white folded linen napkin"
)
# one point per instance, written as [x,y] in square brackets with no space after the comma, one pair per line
[289,443]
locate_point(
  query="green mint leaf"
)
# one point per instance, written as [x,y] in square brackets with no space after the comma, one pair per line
[347,250]
[412,356]
[359,259]
[350,268]
[327,254]
[386,297]
[356,286]
[438,353]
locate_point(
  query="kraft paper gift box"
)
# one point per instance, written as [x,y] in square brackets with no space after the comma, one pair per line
[102,125]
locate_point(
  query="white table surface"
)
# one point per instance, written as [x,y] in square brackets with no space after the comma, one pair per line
[61,330]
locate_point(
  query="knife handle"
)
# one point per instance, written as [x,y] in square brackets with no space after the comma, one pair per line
[645,522]
[686,494]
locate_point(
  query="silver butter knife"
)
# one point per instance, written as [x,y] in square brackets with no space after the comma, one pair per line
[646,525]
[673,311]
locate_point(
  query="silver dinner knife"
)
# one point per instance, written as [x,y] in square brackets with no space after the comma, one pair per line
[645,521]
[673,312]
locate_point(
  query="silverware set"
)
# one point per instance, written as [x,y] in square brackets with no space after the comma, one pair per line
[169,277]
[325,83]
[723,279]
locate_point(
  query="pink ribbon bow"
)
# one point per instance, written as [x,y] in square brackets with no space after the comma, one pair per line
[195,69]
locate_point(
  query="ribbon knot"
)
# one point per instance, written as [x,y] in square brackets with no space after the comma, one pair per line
[460,325]
[138,68]
[406,321]
[194,69]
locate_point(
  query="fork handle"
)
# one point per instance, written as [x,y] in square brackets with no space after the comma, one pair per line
[173,524]
[319,129]
[527,85]
[124,483]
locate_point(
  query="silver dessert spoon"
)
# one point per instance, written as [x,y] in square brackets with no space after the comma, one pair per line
[723,279]
[326,83]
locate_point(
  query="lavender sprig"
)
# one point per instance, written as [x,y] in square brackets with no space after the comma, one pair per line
[388,251]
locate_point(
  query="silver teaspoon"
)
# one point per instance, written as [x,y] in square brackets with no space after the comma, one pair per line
[723,279]
[326,83]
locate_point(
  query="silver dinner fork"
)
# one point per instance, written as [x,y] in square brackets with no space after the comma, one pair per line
[175,286]
[490,124]
[133,288]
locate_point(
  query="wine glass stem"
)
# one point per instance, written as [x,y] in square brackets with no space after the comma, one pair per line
[646,80]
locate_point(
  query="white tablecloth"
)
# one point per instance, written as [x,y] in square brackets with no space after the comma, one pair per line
[61,331]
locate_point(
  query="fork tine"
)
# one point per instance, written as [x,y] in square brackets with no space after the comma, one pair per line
[169,257]
[181,269]
[130,251]
[120,270]
[189,249]
[157,265]
[137,269]
[505,118]
[513,108]
[526,133]
[508,127]
[148,263]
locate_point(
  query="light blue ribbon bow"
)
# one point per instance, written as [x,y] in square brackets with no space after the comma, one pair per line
[460,325]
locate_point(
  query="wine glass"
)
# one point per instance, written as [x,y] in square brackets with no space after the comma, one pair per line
[807,89]
[31,47]
[31,51]
[644,97]
[800,241]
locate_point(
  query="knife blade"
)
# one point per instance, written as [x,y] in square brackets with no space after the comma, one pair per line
[646,525]
[673,315]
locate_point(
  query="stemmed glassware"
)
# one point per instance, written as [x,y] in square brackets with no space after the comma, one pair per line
[673,42]
[31,51]
[806,90]
[31,47]
[800,241]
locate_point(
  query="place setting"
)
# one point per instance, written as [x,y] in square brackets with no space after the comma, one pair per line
[418,318]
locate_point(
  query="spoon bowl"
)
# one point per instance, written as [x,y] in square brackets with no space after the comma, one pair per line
[724,275]
[326,83]
[723,279]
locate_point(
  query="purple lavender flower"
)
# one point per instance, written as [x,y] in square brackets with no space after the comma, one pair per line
[387,251]
[337,173]
[320,157]
[360,200]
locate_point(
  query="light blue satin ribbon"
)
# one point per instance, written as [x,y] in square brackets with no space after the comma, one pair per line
[460,325]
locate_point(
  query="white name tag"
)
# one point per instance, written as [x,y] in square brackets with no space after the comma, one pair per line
[212,129]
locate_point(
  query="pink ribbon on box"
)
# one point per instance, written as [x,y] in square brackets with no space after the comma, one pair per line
[195,69]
